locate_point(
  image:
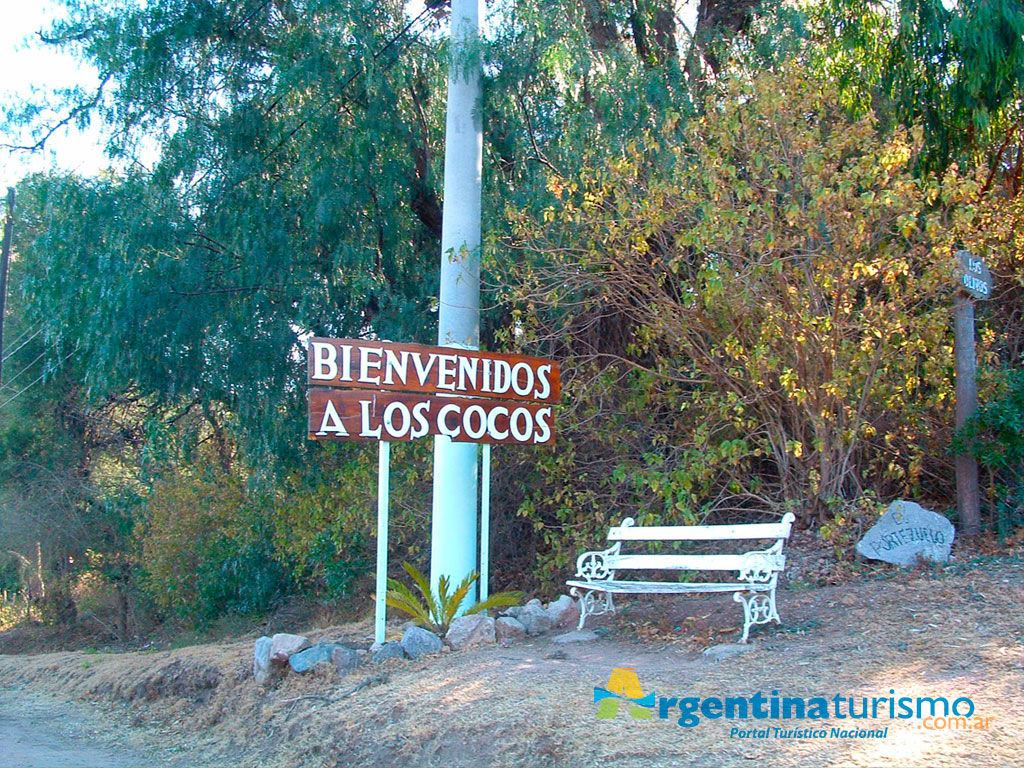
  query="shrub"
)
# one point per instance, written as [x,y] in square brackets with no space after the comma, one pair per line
[10,576]
[995,435]
[206,549]
[324,516]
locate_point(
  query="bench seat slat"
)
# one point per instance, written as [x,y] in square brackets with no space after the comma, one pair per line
[665,587]
[683,562]
[700,532]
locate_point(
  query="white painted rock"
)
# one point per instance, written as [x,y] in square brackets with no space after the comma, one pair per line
[906,532]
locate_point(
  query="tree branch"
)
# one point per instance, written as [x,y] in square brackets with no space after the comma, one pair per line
[75,112]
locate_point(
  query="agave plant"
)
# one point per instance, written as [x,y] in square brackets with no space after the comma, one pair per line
[435,611]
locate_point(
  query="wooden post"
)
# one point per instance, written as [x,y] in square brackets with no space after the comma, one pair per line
[967,501]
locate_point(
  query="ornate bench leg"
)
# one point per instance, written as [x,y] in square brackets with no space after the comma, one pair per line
[758,608]
[581,598]
[592,603]
[609,606]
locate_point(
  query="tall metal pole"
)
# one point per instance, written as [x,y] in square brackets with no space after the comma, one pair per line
[5,261]
[967,500]
[453,528]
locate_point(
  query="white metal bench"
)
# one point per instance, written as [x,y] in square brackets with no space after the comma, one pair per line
[758,571]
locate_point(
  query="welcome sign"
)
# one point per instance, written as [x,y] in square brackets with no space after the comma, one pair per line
[396,392]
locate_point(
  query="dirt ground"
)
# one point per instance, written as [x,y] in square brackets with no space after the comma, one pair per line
[953,631]
[41,731]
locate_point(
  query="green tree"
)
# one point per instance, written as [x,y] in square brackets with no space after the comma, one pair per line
[956,71]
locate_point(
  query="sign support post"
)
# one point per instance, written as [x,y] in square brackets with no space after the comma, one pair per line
[383,499]
[485,520]
[968,505]
[974,282]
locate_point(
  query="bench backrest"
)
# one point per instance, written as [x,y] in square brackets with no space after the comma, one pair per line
[628,531]
[765,560]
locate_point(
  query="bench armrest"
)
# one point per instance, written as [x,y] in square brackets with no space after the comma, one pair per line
[597,566]
[761,567]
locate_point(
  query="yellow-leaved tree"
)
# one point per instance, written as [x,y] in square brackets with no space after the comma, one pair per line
[779,282]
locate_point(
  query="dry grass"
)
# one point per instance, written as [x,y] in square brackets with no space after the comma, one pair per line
[952,632]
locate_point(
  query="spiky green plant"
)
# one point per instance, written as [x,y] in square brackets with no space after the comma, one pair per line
[435,611]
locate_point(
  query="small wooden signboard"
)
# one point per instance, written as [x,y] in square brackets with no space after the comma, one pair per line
[974,277]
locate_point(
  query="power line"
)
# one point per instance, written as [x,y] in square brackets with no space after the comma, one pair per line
[8,381]
[23,390]
[35,381]
[26,341]
[22,335]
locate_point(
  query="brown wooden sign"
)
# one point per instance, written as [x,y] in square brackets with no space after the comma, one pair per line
[386,366]
[973,276]
[361,415]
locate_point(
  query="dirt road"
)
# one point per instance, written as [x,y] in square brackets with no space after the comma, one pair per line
[39,731]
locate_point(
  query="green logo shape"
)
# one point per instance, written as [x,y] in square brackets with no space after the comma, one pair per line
[623,685]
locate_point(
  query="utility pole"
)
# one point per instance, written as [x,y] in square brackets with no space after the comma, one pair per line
[453,550]
[4,263]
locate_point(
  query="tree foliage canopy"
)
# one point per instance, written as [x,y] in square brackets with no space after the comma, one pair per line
[735,232]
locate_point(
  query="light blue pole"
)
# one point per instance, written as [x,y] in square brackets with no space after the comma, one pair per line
[485,521]
[383,492]
[453,525]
